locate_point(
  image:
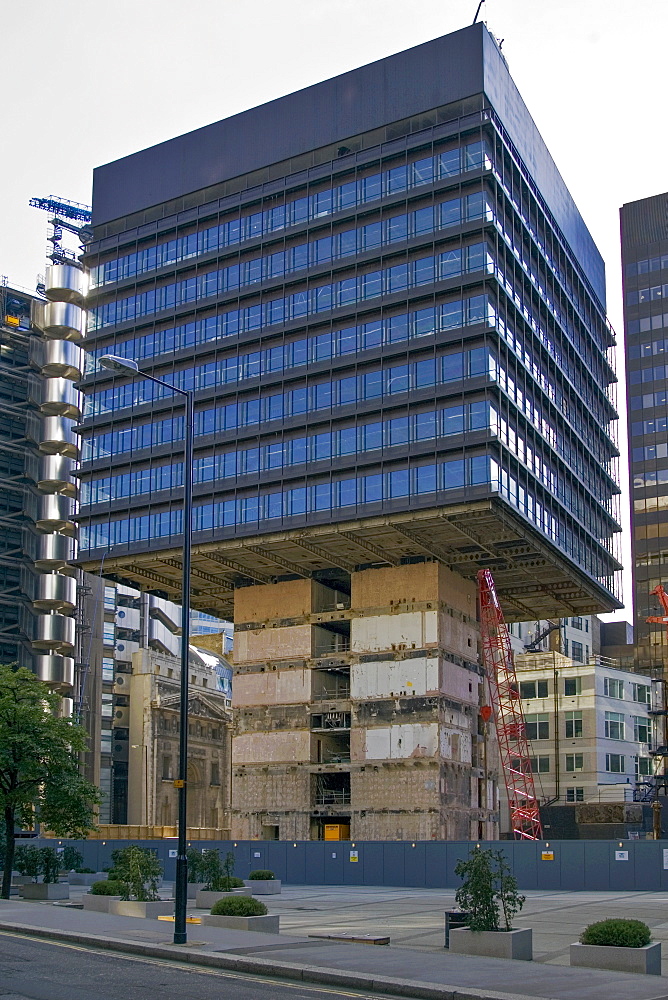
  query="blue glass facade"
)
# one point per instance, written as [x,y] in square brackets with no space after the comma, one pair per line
[402,326]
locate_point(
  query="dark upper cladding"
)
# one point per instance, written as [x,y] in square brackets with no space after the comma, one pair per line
[644,221]
[447,69]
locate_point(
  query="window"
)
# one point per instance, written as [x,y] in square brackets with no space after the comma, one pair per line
[614,725]
[640,692]
[533,689]
[166,768]
[215,774]
[575,795]
[643,767]
[573,725]
[576,650]
[576,623]
[641,729]
[574,762]
[537,726]
[109,633]
[572,686]
[107,706]
[108,671]
[613,688]
[540,765]
[105,741]
[614,763]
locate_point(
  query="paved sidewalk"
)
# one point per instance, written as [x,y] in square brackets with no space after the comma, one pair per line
[384,970]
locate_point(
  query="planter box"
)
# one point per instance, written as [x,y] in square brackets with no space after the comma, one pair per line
[205,898]
[645,960]
[493,944]
[100,904]
[86,878]
[134,908]
[194,888]
[268,924]
[263,886]
[45,890]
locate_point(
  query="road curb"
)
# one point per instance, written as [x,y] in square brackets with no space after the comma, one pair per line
[266,967]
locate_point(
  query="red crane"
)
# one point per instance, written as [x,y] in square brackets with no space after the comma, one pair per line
[510,725]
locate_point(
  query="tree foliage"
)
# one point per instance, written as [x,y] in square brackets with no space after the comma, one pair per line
[488,890]
[40,779]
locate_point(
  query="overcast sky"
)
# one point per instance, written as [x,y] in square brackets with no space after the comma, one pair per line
[86,82]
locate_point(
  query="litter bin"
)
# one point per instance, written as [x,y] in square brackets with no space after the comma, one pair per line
[454,918]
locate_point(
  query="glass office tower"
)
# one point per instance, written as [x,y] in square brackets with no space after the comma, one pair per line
[393,319]
[644,228]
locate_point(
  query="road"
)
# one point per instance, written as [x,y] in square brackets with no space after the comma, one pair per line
[37,970]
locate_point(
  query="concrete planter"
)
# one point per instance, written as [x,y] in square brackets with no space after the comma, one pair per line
[135,908]
[267,924]
[205,898]
[194,888]
[646,961]
[515,944]
[263,886]
[86,878]
[99,904]
[45,890]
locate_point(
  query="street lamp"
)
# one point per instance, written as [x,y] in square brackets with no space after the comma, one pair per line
[125,366]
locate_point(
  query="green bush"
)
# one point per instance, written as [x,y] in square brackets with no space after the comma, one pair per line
[49,863]
[108,888]
[72,859]
[84,871]
[239,906]
[225,883]
[488,892]
[617,933]
[139,869]
[261,874]
[194,864]
[27,861]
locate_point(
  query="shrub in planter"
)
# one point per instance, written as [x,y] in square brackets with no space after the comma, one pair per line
[49,864]
[261,875]
[195,864]
[84,871]
[140,870]
[72,859]
[238,906]
[105,887]
[27,861]
[617,933]
[488,890]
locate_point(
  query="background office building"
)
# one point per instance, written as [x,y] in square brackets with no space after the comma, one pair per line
[644,230]
[393,319]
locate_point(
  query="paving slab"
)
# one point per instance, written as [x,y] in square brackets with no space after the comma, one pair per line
[391,970]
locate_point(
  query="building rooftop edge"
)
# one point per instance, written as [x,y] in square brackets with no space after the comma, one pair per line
[443,70]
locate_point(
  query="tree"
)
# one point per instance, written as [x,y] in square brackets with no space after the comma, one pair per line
[488,889]
[40,780]
[139,869]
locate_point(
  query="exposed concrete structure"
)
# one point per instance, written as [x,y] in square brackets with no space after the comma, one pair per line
[360,711]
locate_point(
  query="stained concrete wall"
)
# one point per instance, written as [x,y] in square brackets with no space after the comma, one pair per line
[272,643]
[261,748]
[288,599]
[272,687]
[402,741]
